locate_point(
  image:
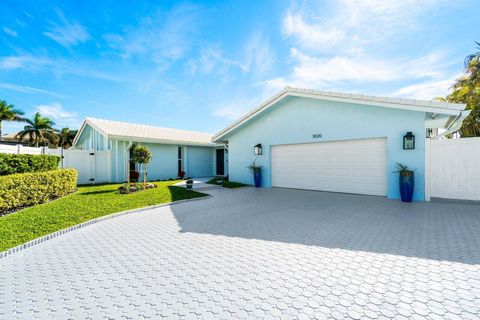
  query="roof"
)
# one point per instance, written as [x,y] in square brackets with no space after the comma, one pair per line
[451,110]
[145,133]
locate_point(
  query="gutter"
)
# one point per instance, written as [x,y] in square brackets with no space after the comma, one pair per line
[455,125]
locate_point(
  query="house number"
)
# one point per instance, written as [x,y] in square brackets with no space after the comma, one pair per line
[316,135]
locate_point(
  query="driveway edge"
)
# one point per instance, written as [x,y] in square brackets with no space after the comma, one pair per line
[55,234]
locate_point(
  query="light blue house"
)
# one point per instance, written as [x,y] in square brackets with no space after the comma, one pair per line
[336,142]
[172,150]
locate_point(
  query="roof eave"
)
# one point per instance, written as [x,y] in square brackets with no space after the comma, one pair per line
[381,102]
[163,141]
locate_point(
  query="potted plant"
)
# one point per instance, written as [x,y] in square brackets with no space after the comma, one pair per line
[257,173]
[189,184]
[406,182]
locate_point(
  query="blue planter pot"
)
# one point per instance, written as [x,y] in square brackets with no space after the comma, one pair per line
[407,185]
[257,177]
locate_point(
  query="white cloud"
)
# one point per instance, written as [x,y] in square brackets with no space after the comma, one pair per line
[235,109]
[315,72]
[349,25]
[58,67]
[23,62]
[313,36]
[10,32]
[61,117]
[161,37]
[259,57]
[11,63]
[426,90]
[26,89]
[212,59]
[343,44]
[67,33]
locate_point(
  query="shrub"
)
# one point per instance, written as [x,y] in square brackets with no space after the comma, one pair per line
[26,189]
[127,188]
[21,163]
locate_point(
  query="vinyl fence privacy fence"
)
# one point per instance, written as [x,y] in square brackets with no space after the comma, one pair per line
[453,169]
[92,167]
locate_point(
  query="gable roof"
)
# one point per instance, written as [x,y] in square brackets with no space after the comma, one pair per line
[145,133]
[451,110]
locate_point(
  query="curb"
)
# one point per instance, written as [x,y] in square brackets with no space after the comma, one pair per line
[55,234]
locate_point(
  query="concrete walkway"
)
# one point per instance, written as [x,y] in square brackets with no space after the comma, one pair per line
[199,183]
[263,254]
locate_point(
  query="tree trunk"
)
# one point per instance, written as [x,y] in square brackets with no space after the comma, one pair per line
[145,176]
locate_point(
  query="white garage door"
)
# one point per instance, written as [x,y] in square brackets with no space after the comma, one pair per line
[351,166]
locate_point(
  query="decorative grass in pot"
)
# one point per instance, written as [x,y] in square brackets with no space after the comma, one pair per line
[257,174]
[406,182]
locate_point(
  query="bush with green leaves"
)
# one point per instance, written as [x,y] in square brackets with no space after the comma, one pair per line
[142,155]
[26,189]
[21,163]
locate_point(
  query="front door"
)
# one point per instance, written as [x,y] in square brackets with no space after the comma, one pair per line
[220,162]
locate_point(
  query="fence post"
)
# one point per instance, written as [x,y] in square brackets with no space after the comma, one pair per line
[427,169]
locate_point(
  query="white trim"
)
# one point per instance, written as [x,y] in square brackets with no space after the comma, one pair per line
[162,141]
[453,109]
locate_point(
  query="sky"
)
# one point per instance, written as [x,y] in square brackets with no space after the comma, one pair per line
[201,65]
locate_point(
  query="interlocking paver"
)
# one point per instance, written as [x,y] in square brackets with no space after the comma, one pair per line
[248,253]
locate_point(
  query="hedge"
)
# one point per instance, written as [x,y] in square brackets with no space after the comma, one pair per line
[21,163]
[26,189]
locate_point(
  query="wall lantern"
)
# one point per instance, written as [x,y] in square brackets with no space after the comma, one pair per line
[257,150]
[408,141]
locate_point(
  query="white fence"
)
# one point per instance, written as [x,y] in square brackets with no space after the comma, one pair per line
[19,149]
[452,169]
[92,167]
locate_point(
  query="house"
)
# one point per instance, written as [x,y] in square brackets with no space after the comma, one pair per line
[172,150]
[337,142]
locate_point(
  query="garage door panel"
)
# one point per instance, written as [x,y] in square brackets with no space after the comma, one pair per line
[353,166]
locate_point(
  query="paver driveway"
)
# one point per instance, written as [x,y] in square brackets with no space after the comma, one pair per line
[251,253]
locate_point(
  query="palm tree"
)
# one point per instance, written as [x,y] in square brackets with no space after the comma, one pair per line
[66,137]
[36,129]
[8,112]
[467,90]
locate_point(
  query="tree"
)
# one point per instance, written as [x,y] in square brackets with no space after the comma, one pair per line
[66,137]
[37,128]
[143,156]
[467,90]
[8,112]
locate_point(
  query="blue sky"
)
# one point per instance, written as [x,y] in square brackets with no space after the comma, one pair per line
[200,65]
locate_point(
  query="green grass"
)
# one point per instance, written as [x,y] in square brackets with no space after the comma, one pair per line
[88,203]
[227,184]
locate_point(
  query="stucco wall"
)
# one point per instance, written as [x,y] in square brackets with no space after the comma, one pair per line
[164,164]
[295,120]
[199,161]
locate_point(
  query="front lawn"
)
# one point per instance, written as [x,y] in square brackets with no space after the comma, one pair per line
[226,183]
[88,203]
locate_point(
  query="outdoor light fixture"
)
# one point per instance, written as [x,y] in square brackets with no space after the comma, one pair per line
[408,141]
[257,150]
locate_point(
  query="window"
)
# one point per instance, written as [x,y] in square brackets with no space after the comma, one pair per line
[180,160]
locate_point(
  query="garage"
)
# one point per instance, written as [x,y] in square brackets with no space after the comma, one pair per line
[350,166]
[338,142]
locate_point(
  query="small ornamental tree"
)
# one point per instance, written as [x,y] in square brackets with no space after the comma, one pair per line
[143,156]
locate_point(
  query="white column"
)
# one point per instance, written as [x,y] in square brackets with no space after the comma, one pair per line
[427,170]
